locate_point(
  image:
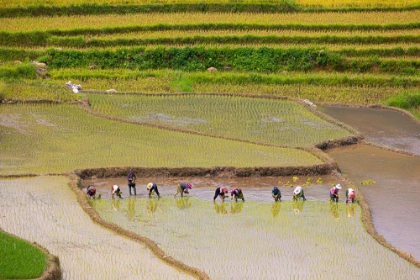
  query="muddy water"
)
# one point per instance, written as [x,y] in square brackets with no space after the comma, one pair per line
[45,210]
[255,189]
[394,199]
[382,126]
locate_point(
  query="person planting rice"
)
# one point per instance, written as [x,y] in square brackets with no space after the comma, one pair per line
[298,193]
[131,177]
[236,193]
[115,190]
[220,191]
[183,188]
[350,195]
[334,192]
[276,194]
[91,191]
[151,188]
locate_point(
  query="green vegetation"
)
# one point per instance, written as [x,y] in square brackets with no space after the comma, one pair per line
[59,138]
[20,260]
[273,236]
[276,122]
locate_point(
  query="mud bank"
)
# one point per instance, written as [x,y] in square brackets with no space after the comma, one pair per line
[221,172]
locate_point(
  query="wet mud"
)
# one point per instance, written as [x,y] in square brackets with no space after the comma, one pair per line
[45,210]
[393,199]
[381,126]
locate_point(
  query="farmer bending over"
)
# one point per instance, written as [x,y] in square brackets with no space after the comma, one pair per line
[298,193]
[115,190]
[276,194]
[220,191]
[131,177]
[350,195]
[334,192]
[91,191]
[237,193]
[182,188]
[152,187]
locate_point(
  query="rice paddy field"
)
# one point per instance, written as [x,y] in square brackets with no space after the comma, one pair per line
[198,84]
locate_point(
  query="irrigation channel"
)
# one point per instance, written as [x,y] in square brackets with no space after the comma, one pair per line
[394,199]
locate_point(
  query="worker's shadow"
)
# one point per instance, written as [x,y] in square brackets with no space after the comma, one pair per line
[275,209]
[298,206]
[236,207]
[220,208]
[183,203]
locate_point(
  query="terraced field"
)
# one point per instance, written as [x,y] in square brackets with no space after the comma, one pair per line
[189,86]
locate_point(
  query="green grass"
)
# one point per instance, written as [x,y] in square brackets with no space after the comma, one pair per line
[35,90]
[276,122]
[294,240]
[58,138]
[20,260]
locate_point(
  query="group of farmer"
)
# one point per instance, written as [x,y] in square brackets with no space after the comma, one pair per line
[221,192]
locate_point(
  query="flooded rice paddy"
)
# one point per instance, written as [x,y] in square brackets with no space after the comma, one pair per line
[259,240]
[394,199]
[45,210]
[382,126]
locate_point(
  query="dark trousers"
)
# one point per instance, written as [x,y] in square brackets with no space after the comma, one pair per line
[216,193]
[334,197]
[154,188]
[131,185]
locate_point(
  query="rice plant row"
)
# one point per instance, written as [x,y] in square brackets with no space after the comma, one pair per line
[60,138]
[63,23]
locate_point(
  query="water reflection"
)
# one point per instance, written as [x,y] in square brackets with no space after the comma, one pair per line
[298,206]
[220,208]
[350,211]
[236,207]
[275,208]
[334,210]
[151,206]
[115,204]
[183,203]
[131,208]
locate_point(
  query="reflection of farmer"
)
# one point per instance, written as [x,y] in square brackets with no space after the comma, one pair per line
[115,190]
[151,206]
[131,208]
[236,207]
[350,195]
[182,188]
[276,194]
[115,205]
[298,193]
[334,210]
[152,188]
[131,177]
[275,209]
[91,191]
[334,192]
[183,203]
[220,208]
[297,206]
[350,211]
[220,192]
[236,193]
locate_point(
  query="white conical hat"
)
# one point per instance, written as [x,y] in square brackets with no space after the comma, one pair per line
[338,186]
[297,190]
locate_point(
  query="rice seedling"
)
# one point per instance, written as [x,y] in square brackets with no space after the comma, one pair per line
[368,182]
[45,210]
[278,122]
[57,138]
[276,238]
